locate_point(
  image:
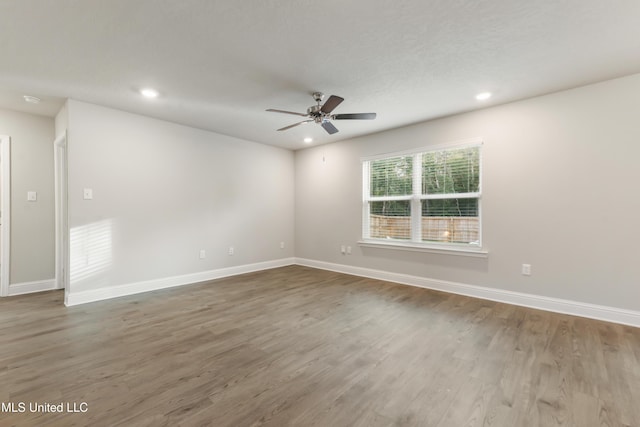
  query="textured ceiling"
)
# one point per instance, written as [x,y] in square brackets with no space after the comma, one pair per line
[219,64]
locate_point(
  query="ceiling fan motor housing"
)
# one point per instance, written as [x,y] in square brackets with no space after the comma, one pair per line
[314,110]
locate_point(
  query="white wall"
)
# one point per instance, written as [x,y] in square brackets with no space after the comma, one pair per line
[560,179]
[32,223]
[162,192]
[61,120]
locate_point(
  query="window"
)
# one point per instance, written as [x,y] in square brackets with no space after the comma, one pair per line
[429,198]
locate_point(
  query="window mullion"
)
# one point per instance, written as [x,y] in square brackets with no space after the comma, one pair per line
[416,206]
[366,194]
[389,198]
[450,196]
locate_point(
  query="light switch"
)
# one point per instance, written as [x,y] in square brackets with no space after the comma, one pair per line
[32,196]
[88,194]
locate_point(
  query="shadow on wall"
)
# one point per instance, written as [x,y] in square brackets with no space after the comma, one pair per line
[90,253]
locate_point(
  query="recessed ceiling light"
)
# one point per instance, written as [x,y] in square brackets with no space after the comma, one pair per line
[308,140]
[483,96]
[32,99]
[149,93]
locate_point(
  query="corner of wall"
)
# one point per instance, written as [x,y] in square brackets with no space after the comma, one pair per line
[62,120]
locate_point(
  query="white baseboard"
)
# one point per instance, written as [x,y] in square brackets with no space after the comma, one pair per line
[592,311]
[30,287]
[83,297]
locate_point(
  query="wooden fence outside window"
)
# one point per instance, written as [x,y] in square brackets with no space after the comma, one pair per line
[434,228]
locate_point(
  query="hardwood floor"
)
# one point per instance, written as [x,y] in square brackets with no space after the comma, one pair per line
[296,346]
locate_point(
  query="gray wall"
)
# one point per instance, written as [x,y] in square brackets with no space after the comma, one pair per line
[32,223]
[560,181]
[162,192]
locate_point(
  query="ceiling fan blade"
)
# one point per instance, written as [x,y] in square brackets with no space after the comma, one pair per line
[295,124]
[331,103]
[354,116]
[329,127]
[287,112]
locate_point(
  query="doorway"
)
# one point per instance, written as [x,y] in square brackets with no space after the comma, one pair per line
[61,215]
[5,214]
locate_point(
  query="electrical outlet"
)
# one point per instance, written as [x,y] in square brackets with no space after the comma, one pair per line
[203,253]
[526,269]
[231,250]
[87,194]
[348,250]
[343,249]
[281,245]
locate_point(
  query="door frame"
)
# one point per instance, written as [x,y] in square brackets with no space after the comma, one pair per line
[61,213]
[5,211]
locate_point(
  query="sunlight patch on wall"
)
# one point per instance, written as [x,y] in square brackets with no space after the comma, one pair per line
[91,253]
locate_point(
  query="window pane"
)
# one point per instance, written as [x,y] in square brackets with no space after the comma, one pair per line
[450,207]
[451,171]
[451,220]
[391,177]
[390,220]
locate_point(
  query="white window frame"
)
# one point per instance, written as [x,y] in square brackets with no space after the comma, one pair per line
[416,243]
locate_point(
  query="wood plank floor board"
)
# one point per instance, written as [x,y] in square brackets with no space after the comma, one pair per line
[295,346]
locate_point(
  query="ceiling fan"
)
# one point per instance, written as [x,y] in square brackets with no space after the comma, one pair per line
[322,113]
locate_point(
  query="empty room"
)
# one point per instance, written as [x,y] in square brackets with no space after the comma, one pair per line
[296,213]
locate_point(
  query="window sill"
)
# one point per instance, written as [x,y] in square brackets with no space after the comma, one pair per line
[434,249]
